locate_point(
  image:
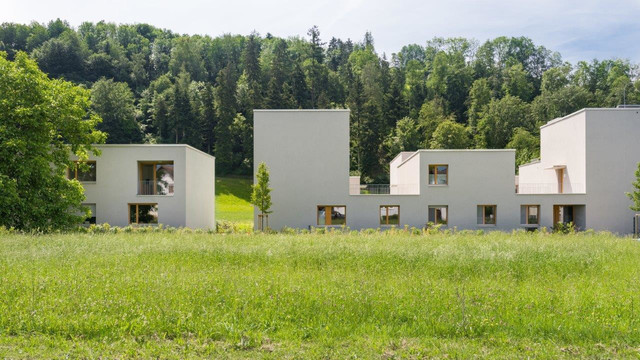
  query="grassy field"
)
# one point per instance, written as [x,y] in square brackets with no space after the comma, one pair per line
[177,295]
[232,199]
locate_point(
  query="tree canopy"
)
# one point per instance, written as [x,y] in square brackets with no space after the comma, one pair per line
[201,90]
[42,122]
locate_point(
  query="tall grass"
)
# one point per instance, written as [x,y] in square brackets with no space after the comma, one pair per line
[317,296]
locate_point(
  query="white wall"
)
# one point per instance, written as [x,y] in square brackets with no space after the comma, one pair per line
[201,190]
[404,175]
[308,155]
[562,142]
[476,177]
[117,178]
[307,152]
[613,153]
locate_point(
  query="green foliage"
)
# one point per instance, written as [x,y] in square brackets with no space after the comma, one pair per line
[432,114]
[309,296]
[527,146]
[261,192]
[191,88]
[564,228]
[450,135]
[500,119]
[225,101]
[404,137]
[480,95]
[517,84]
[43,121]
[635,194]
[242,135]
[114,103]
[186,55]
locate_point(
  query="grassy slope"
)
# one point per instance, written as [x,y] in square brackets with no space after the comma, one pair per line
[319,296]
[232,199]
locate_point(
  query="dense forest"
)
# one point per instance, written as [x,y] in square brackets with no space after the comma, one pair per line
[152,85]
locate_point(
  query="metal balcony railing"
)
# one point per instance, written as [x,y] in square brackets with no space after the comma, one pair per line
[150,187]
[375,189]
[383,189]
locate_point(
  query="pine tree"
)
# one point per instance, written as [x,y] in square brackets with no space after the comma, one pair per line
[261,193]
[280,67]
[180,110]
[225,111]
[315,70]
[208,118]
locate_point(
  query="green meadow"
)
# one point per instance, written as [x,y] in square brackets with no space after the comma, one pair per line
[183,294]
[233,196]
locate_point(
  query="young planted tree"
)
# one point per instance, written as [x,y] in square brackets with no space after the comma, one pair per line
[261,194]
[635,194]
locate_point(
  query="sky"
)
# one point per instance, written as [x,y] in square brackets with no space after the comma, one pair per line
[579,30]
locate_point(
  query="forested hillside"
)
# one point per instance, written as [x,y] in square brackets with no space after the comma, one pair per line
[153,85]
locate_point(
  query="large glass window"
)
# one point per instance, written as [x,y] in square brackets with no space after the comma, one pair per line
[438,174]
[389,215]
[487,214]
[332,215]
[82,171]
[438,214]
[156,178]
[143,213]
[530,214]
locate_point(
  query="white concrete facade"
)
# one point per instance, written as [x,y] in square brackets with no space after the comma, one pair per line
[587,164]
[119,184]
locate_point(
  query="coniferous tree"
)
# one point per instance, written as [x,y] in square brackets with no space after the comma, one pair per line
[473,85]
[225,111]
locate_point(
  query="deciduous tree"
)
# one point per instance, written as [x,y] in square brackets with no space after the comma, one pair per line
[42,123]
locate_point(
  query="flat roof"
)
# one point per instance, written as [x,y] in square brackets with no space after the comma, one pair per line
[154,145]
[298,110]
[559,119]
[451,150]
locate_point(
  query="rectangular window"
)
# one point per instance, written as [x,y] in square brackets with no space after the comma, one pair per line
[332,215]
[438,214]
[92,217]
[530,214]
[438,174]
[389,215]
[143,213]
[82,171]
[487,214]
[156,178]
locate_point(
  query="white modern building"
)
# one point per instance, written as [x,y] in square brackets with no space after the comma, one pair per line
[173,185]
[587,164]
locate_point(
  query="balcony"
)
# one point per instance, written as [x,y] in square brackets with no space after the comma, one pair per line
[155,177]
[150,187]
[383,189]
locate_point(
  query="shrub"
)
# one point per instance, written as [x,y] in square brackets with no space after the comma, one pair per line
[564,228]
